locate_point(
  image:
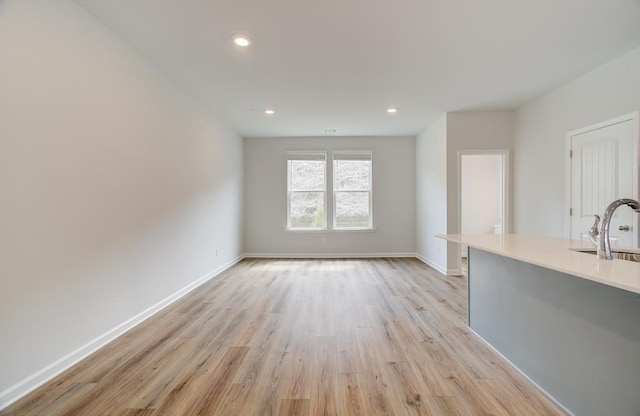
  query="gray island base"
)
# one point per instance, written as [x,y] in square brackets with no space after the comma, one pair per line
[577,339]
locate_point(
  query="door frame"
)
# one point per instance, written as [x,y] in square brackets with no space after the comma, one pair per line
[633,117]
[506,172]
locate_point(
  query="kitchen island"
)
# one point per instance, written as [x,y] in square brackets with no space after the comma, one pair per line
[568,320]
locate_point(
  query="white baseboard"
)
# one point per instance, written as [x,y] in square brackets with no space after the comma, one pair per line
[432,264]
[325,255]
[441,269]
[22,388]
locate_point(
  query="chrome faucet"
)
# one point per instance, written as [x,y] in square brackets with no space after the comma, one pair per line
[601,238]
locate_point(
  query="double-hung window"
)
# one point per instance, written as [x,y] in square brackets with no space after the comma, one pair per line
[352,199]
[307,190]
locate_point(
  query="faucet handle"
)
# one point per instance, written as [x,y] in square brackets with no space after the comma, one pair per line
[594,233]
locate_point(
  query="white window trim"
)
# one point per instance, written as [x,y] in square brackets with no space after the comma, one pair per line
[291,156]
[369,153]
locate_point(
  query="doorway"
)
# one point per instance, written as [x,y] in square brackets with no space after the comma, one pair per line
[602,167]
[483,193]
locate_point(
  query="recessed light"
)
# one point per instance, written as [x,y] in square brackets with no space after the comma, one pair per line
[392,110]
[269,112]
[241,40]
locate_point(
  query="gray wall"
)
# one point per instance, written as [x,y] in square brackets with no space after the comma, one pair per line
[394,203]
[116,188]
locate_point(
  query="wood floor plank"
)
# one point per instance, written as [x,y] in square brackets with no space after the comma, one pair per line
[183,395]
[135,412]
[257,356]
[293,407]
[325,378]
[162,377]
[56,400]
[410,388]
[377,394]
[350,400]
[237,400]
[349,354]
[268,390]
[300,337]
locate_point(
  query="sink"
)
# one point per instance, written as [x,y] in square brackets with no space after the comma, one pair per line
[617,254]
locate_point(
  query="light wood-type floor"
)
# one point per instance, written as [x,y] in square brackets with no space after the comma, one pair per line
[300,337]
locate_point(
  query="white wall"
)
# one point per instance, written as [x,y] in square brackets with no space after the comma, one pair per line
[481,193]
[116,189]
[431,194]
[541,126]
[394,202]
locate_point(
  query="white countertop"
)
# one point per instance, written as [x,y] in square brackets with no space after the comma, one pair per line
[553,253]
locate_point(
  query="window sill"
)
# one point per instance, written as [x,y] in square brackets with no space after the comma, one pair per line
[329,230]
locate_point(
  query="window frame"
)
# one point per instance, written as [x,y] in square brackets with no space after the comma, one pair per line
[306,155]
[344,155]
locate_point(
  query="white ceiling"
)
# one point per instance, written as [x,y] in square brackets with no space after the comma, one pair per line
[338,64]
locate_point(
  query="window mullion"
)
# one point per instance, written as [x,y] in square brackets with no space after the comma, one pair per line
[353,190]
[307,190]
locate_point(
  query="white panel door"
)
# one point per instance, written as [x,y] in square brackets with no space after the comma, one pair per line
[602,170]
